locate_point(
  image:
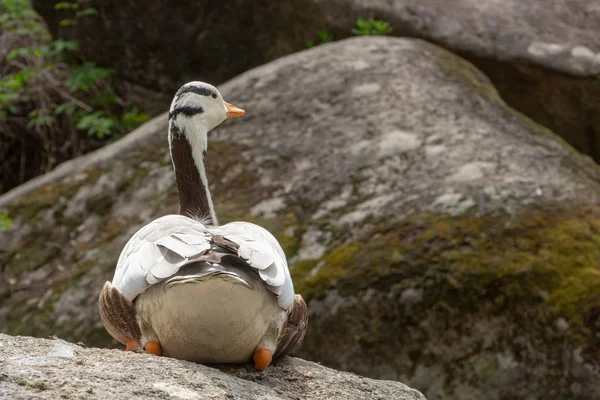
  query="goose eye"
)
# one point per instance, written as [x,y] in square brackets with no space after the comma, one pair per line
[213,95]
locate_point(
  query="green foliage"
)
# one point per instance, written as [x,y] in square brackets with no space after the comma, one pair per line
[65,5]
[85,76]
[17,17]
[371,27]
[96,124]
[80,9]
[103,126]
[364,27]
[132,119]
[39,118]
[50,95]
[68,107]
[323,36]
[5,221]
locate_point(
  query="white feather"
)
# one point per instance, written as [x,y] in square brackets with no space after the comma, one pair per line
[158,250]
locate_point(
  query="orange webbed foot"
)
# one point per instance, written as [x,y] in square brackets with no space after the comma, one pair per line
[131,344]
[262,359]
[153,347]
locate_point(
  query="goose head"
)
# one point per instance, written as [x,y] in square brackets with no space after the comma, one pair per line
[199,107]
[196,109]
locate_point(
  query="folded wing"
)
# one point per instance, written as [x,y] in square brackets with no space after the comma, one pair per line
[161,248]
[158,251]
[259,248]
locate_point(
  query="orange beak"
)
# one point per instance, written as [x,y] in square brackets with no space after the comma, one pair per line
[233,111]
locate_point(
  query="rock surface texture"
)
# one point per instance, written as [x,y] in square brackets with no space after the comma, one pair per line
[439,237]
[54,369]
[542,55]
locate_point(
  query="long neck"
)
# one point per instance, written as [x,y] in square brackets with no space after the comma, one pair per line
[192,184]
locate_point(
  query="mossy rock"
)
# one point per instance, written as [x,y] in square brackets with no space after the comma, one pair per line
[439,237]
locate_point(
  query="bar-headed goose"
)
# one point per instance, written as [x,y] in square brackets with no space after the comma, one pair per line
[187,288]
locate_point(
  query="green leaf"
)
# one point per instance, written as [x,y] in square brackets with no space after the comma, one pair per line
[86,12]
[39,118]
[96,124]
[85,76]
[68,108]
[60,45]
[16,81]
[63,5]
[362,23]
[325,36]
[67,22]
[370,27]
[105,98]
[5,221]
[17,53]
[8,98]
[132,119]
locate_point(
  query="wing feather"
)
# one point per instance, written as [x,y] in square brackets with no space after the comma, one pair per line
[293,329]
[161,248]
[158,251]
[259,248]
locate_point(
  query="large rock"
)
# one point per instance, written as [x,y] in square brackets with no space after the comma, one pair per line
[439,237]
[554,34]
[542,55]
[52,369]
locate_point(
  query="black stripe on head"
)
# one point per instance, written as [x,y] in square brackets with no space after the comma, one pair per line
[188,111]
[201,90]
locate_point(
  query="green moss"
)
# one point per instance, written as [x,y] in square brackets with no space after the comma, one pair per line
[135,174]
[465,72]
[31,256]
[316,277]
[577,295]
[99,204]
[32,384]
[290,244]
[46,196]
[278,226]
[539,258]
